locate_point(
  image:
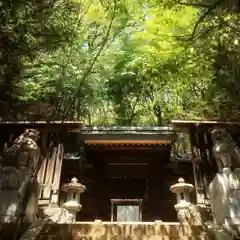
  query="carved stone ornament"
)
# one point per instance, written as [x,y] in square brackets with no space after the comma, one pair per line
[56,214]
[49,214]
[188,214]
[205,211]
[181,150]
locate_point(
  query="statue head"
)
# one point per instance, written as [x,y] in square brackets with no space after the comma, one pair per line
[220,140]
[219,134]
[222,147]
[28,140]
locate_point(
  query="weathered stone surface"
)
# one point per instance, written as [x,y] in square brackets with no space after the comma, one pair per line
[122,231]
[16,168]
[224,189]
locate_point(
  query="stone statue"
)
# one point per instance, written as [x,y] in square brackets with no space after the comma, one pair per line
[16,169]
[224,190]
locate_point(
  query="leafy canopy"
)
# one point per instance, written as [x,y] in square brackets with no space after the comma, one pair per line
[126,62]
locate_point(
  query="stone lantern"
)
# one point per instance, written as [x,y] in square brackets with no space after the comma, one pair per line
[72,204]
[186,211]
[182,191]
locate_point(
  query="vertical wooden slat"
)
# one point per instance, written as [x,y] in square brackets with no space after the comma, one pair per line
[57,173]
[58,168]
[41,171]
[197,145]
[35,158]
[41,175]
[194,157]
[205,167]
[196,164]
[49,174]
[43,164]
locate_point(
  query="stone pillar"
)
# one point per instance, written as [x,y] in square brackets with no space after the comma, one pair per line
[74,189]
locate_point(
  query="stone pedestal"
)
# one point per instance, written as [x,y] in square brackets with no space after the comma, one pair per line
[13,183]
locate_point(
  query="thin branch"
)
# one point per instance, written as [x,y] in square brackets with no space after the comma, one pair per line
[92,64]
[134,106]
[229,25]
[207,30]
[86,7]
[64,67]
[210,9]
[202,18]
[193,4]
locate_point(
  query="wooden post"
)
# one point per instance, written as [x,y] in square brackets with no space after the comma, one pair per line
[205,167]
[195,158]
[211,157]
[152,168]
[49,174]
[101,190]
[57,174]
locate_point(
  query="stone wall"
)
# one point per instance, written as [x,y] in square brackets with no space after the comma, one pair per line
[121,231]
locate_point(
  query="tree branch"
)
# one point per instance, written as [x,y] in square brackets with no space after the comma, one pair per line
[92,64]
[193,4]
[229,25]
[210,9]
[202,18]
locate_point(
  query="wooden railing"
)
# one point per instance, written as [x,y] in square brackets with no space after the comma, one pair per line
[49,176]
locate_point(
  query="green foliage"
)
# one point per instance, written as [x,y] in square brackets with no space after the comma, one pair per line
[219,32]
[27,29]
[128,63]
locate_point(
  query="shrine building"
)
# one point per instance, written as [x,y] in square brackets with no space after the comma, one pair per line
[127,172]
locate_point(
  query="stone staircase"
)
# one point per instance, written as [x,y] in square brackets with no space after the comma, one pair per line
[122,231]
